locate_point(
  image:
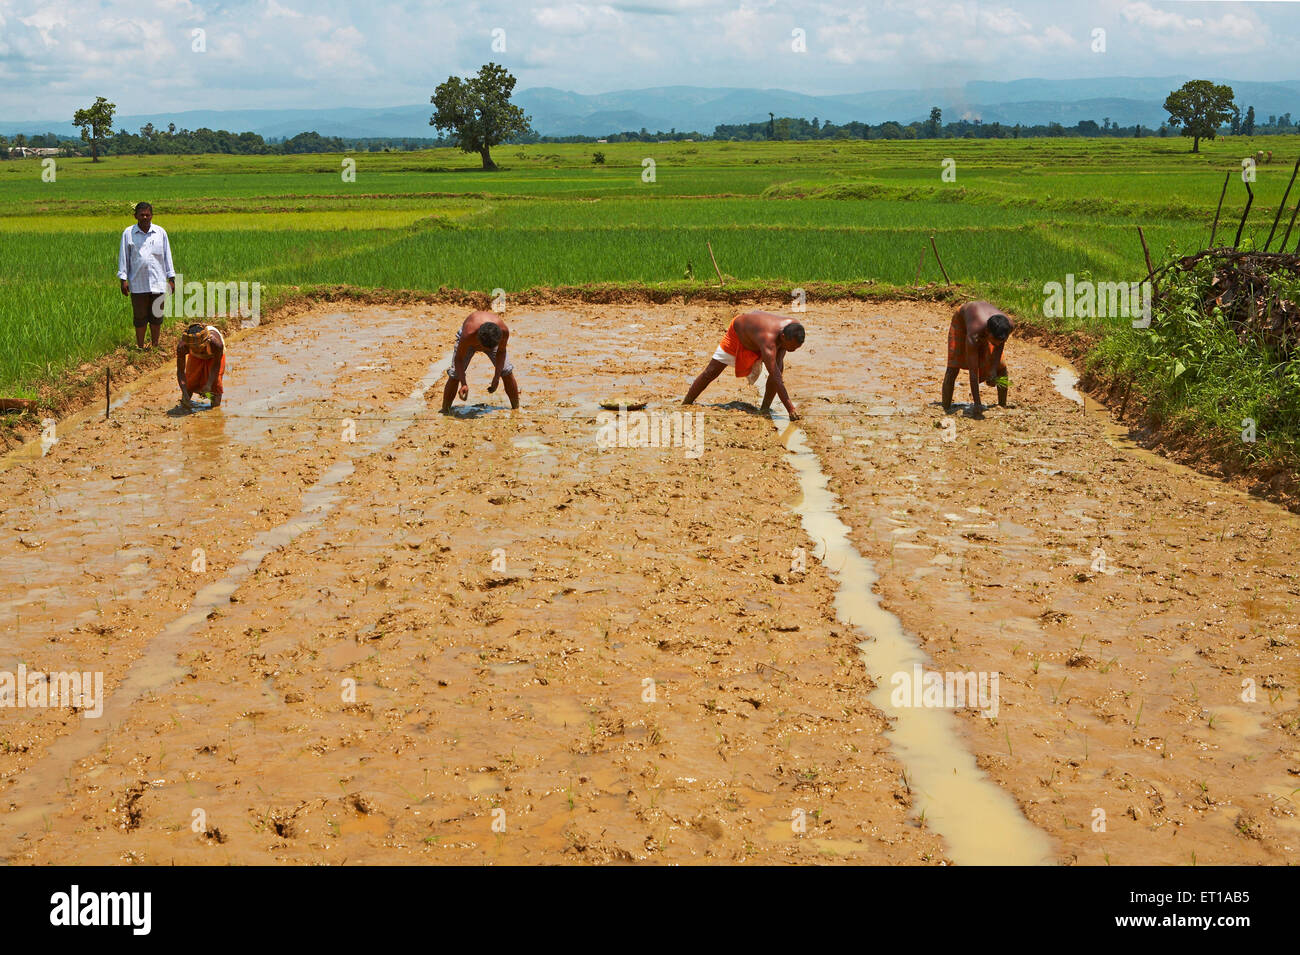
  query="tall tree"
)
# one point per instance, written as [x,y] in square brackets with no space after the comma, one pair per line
[936,117]
[1248,124]
[95,123]
[479,111]
[1200,108]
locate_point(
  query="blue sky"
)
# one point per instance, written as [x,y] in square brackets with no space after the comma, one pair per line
[56,55]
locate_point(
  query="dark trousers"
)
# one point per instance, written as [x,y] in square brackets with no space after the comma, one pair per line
[142,313]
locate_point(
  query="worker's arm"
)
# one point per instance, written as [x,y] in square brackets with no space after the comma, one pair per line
[776,379]
[167,263]
[995,362]
[217,352]
[123,258]
[460,362]
[501,360]
[181,352]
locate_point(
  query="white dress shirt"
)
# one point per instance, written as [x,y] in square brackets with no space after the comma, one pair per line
[145,258]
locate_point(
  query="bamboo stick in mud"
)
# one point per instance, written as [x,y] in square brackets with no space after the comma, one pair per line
[715,263]
[939,260]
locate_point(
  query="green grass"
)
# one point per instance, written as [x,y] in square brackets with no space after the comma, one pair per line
[1020,213]
[1203,377]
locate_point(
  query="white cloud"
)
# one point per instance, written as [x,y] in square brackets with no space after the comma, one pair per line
[56,55]
[574,18]
[1173,31]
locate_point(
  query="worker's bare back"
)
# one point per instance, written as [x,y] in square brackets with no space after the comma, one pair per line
[761,331]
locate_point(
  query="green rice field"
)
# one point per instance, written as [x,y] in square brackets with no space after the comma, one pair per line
[1019,214]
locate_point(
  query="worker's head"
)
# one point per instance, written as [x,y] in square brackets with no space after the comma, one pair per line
[489,335]
[792,336]
[1000,327]
[195,338]
[144,214]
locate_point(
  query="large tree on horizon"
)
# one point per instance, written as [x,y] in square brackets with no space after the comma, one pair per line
[478,111]
[96,124]
[1200,108]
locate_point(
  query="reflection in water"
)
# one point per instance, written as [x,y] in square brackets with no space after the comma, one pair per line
[979,821]
[35,795]
[203,438]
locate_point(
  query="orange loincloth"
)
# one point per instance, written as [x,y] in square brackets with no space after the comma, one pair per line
[960,354]
[745,358]
[197,371]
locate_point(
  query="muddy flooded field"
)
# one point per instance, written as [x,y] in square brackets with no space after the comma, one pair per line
[335,626]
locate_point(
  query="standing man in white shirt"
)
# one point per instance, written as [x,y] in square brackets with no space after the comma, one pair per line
[144,267]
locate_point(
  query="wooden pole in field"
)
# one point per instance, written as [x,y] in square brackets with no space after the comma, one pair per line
[1282,205]
[1145,251]
[1249,201]
[1215,228]
[715,263]
[939,260]
[1281,247]
[107,375]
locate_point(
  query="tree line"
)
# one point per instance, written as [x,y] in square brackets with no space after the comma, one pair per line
[172,141]
[477,114]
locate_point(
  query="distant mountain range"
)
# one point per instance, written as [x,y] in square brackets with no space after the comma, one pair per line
[554,112]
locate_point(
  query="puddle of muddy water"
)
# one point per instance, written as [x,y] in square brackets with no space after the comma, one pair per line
[34,795]
[979,821]
[1065,379]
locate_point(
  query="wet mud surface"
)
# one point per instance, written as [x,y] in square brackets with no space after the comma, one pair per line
[338,627]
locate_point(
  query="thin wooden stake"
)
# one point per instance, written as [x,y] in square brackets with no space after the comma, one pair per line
[1145,251]
[715,263]
[1226,177]
[107,386]
[1282,245]
[939,260]
[1282,205]
[1249,202]
[919,263]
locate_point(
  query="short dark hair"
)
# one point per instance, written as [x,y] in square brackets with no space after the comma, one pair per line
[144,205]
[1000,327]
[489,334]
[793,332]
